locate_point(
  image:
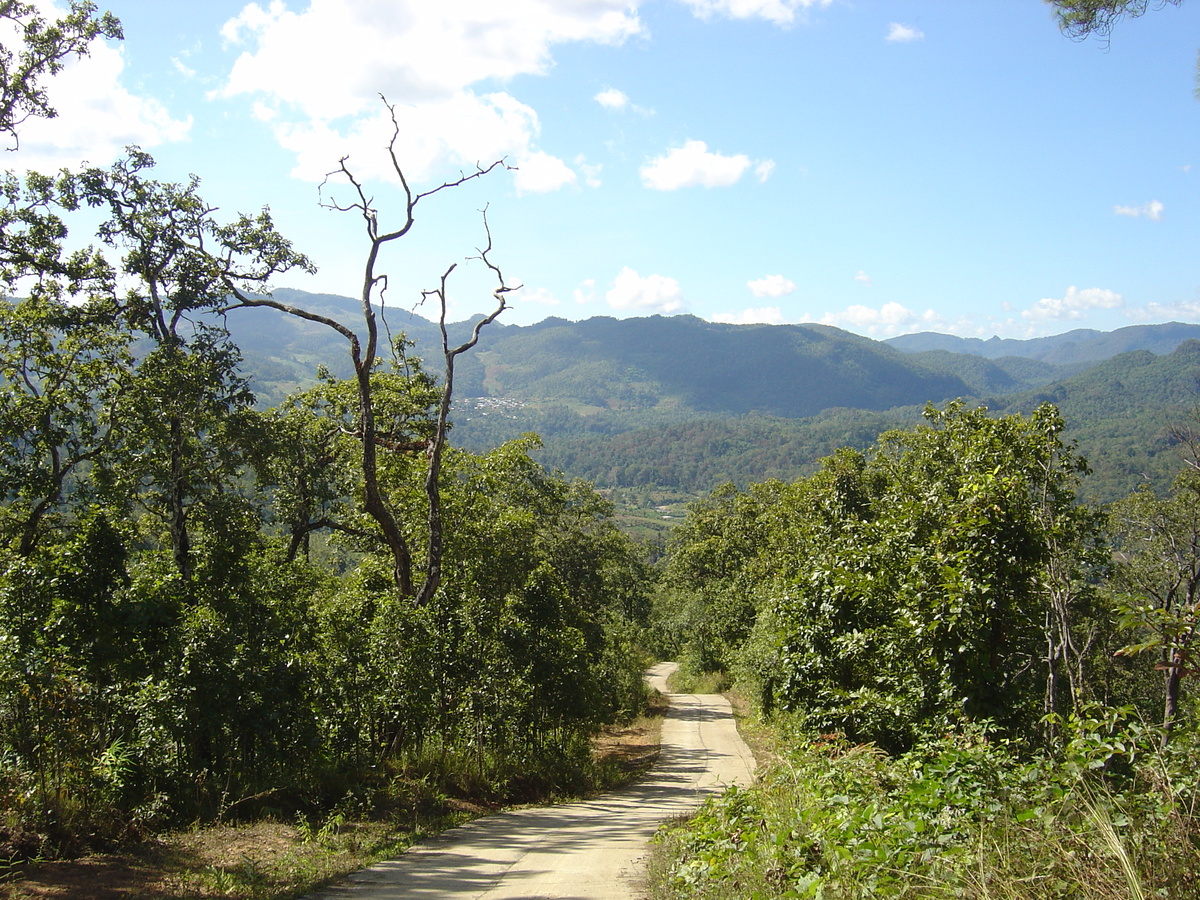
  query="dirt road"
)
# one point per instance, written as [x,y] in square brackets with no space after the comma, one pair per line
[579,851]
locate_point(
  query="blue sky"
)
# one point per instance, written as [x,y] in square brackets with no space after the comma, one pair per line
[886,167]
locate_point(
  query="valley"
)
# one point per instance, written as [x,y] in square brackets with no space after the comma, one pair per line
[657,411]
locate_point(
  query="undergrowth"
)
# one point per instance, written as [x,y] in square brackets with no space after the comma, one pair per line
[355,819]
[690,680]
[966,815]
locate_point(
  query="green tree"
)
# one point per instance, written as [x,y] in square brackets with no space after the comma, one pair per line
[524,649]
[64,368]
[908,587]
[63,355]
[33,233]
[1082,18]
[716,560]
[60,663]
[44,46]
[1158,579]
[185,413]
[310,455]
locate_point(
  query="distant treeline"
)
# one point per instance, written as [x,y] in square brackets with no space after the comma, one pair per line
[1121,413]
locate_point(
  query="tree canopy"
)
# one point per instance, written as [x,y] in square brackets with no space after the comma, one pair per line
[1080,19]
[44,45]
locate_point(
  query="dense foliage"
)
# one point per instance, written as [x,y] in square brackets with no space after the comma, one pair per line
[180,635]
[958,658]
[963,816]
[202,610]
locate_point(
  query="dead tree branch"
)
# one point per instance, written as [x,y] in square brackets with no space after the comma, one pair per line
[364,354]
[436,546]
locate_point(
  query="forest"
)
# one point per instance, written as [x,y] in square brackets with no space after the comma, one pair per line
[967,678]
[211,610]
[975,683]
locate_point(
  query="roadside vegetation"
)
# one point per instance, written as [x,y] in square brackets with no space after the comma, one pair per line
[962,816]
[972,684]
[215,613]
[271,858]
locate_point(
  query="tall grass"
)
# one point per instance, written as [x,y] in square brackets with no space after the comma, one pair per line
[962,817]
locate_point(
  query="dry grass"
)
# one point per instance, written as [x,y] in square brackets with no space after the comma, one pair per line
[259,860]
[271,860]
[626,752]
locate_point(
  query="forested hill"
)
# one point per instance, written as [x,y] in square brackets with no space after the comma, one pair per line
[685,363]
[282,352]
[1121,412]
[642,363]
[685,404]
[1083,345]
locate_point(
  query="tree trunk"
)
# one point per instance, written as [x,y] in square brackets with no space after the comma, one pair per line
[1171,698]
[181,545]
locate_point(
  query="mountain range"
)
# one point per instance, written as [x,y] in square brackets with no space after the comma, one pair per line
[1083,345]
[682,402]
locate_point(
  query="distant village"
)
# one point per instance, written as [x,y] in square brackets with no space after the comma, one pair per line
[485,406]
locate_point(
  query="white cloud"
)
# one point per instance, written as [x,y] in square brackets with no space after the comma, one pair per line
[324,68]
[931,320]
[591,173]
[886,321]
[1184,310]
[903,34]
[1073,304]
[462,131]
[541,296]
[611,98]
[97,115]
[771,286]
[863,278]
[618,101]
[1152,211]
[693,165]
[586,292]
[540,173]
[780,12]
[892,319]
[764,169]
[764,315]
[652,294]
[252,18]
[182,68]
[334,58]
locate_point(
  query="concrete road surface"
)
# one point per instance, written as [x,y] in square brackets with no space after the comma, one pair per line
[590,850]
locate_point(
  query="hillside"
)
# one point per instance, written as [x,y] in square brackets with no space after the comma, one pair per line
[282,352]
[684,404]
[1122,412]
[683,361]
[1083,345]
[654,363]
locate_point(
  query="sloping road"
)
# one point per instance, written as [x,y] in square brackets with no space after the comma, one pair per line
[578,851]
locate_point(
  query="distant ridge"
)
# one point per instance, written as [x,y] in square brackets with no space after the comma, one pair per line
[686,363]
[1083,345]
[685,404]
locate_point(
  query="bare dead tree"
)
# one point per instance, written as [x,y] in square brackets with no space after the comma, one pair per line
[433,567]
[365,354]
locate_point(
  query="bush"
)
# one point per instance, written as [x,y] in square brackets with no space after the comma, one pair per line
[962,816]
